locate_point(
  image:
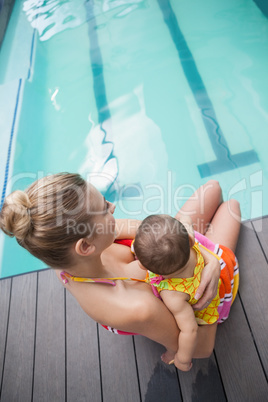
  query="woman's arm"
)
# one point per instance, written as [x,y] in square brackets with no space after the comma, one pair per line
[128,306]
[126,228]
[211,273]
[187,341]
[132,307]
[208,287]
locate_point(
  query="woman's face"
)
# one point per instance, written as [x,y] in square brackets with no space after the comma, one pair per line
[103,221]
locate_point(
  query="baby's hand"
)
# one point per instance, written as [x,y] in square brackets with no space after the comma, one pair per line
[182,366]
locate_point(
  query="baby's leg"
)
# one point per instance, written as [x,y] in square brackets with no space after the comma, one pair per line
[202,205]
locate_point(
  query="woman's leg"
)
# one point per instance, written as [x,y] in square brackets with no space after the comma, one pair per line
[205,341]
[225,225]
[202,205]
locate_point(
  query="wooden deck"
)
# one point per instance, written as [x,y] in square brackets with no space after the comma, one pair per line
[6,7]
[51,351]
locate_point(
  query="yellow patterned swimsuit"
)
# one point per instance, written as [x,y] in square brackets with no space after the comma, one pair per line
[189,285]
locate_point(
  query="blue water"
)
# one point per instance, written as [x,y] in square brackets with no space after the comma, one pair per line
[146,99]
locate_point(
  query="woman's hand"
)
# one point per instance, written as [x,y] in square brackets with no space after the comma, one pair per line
[208,287]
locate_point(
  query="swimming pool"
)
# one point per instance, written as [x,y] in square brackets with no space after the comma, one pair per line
[147,99]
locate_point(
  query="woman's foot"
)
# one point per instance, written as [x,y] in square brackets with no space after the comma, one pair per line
[168,357]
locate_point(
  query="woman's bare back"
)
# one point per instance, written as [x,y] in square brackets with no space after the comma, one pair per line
[96,298]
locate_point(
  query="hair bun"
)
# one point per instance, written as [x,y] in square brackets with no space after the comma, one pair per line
[15,219]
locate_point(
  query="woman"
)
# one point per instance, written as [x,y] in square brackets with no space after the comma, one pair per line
[67,223]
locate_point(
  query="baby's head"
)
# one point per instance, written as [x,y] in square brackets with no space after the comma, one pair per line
[162,244]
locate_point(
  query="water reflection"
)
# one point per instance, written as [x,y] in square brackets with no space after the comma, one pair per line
[54,16]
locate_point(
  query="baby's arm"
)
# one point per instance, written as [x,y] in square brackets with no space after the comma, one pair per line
[177,303]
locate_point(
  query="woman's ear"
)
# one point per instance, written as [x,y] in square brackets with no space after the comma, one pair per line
[84,247]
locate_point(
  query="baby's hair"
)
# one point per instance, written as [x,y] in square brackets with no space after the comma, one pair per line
[40,216]
[162,244]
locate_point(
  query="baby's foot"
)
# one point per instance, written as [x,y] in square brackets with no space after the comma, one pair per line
[168,357]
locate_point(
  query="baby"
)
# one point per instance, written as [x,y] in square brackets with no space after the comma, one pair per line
[173,258]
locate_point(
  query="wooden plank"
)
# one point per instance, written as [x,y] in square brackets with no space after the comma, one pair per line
[118,367]
[237,356]
[158,381]
[18,369]
[5,287]
[261,228]
[238,360]
[5,13]
[49,369]
[253,288]
[82,357]
[202,382]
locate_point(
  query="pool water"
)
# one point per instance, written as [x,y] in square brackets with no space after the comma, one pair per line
[146,99]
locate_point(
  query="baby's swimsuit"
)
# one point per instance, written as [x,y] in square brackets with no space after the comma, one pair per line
[214,312]
[229,276]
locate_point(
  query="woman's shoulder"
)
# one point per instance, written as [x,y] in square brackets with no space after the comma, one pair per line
[117,253]
[101,301]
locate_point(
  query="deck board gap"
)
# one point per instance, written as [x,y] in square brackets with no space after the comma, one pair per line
[35,331]
[252,335]
[137,369]
[99,354]
[219,372]
[178,379]
[260,243]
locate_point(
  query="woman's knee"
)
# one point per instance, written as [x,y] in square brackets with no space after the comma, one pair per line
[234,208]
[234,204]
[211,195]
[214,185]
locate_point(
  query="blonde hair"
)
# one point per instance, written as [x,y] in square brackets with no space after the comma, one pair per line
[39,217]
[162,244]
